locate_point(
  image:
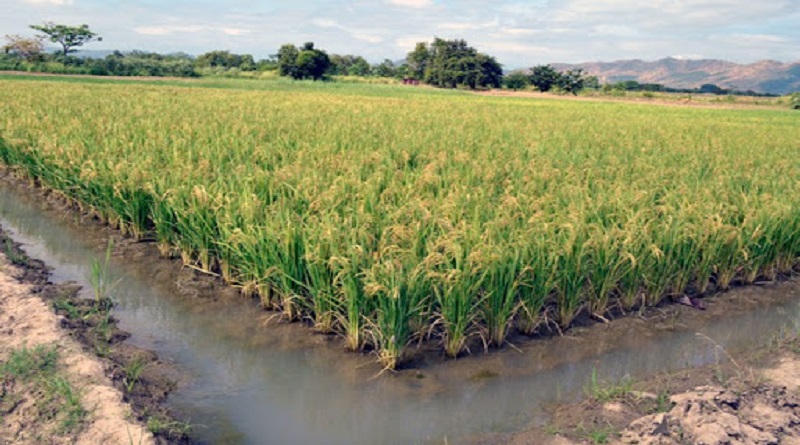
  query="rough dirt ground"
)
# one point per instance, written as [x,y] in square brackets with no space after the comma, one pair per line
[26,320]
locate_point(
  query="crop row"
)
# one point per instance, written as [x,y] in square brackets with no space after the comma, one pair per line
[391,218]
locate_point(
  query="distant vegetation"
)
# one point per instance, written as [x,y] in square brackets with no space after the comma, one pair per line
[440,63]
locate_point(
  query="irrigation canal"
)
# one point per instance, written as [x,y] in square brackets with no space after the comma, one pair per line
[250,383]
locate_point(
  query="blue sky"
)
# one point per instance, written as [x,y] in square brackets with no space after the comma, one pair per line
[519,33]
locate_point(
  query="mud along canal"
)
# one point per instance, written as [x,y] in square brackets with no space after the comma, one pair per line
[251,380]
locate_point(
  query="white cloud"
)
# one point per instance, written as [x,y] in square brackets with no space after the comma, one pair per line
[520,31]
[48,2]
[463,26]
[407,43]
[186,29]
[358,34]
[411,3]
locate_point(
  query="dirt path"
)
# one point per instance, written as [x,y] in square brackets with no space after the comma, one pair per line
[27,322]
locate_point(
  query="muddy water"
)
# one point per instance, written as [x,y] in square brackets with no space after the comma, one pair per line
[251,381]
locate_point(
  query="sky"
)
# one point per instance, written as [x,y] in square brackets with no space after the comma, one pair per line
[518,33]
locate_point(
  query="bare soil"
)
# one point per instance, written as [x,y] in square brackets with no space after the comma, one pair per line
[95,360]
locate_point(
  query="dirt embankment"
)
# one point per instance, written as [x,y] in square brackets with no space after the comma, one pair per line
[66,375]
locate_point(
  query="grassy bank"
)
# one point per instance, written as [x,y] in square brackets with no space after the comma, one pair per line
[388,214]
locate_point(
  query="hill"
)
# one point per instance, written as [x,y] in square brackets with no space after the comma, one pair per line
[766,76]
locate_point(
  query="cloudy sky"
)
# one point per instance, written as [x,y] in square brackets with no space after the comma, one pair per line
[519,33]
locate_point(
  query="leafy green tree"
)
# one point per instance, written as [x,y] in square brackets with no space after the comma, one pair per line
[592,82]
[69,37]
[517,81]
[224,59]
[386,68]
[453,63]
[287,60]
[544,77]
[360,67]
[572,81]
[794,101]
[710,88]
[349,65]
[312,63]
[418,61]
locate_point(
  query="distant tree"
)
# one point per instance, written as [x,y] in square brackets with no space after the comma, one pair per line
[28,48]
[517,81]
[349,65]
[490,72]
[287,60]
[360,67]
[386,68]
[794,100]
[312,63]
[627,85]
[572,81]
[453,63]
[592,82]
[418,61]
[710,88]
[544,77]
[224,59]
[69,37]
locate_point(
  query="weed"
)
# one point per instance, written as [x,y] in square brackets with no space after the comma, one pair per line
[597,435]
[133,371]
[37,369]
[159,425]
[13,254]
[99,278]
[605,391]
[663,402]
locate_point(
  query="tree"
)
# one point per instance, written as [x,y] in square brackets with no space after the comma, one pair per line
[710,88]
[418,60]
[287,60]
[360,67]
[572,81]
[224,59]
[794,101]
[305,63]
[517,81]
[28,48]
[544,77]
[453,63]
[386,68]
[349,65]
[592,82]
[69,37]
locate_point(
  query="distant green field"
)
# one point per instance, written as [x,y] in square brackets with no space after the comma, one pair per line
[388,214]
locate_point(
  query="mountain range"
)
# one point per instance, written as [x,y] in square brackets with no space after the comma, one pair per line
[766,76]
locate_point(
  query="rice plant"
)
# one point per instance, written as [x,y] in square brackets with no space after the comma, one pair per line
[389,215]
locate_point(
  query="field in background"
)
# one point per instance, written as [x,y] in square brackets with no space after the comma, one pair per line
[388,214]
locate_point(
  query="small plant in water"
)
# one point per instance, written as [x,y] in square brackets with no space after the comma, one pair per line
[100,280]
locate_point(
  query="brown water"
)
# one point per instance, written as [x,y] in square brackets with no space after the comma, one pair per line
[251,382]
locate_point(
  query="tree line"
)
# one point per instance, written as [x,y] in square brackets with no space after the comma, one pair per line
[441,63]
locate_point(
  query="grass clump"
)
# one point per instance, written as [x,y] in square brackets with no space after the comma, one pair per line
[32,374]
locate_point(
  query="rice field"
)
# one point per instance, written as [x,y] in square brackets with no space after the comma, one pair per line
[393,216]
